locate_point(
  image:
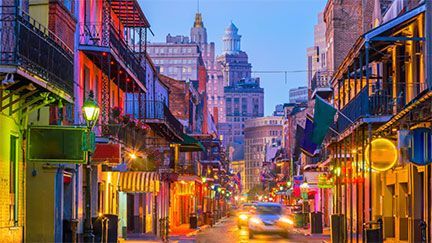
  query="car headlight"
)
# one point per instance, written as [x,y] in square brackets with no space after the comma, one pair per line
[243,217]
[286,220]
[255,221]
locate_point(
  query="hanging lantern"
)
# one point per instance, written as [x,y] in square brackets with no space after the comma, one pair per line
[384,154]
[420,146]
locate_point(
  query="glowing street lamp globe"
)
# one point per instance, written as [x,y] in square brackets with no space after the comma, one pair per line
[90,111]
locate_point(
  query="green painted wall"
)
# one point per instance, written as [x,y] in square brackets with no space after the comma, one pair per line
[10,231]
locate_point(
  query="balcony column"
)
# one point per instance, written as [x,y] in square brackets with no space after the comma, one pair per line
[367,47]
[363,133]
[355,77]
[358,225]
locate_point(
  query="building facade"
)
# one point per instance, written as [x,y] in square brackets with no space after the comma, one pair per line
[244,98]
[260,133]
[298,95]
[215,84]
[177,57]
[244,101]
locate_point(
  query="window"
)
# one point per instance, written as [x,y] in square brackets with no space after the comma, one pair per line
[87,86]
[96,87]
[13,180]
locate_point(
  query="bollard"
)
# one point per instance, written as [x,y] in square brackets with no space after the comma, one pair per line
[381,229]
[423,227]
[167,229]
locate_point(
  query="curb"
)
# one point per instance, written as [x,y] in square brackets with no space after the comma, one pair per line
[193,233]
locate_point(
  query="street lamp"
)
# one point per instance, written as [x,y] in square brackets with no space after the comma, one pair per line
[90,112]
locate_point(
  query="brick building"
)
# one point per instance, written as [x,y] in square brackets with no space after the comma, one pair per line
[345,22]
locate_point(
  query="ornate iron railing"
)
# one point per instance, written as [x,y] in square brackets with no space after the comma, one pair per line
[186,168]
[378,104]
[99,34]
[153,110]
[28,44]
[126,133]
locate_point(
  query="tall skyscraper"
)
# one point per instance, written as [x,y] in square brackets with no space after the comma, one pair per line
[181,57]
[244,98]
[233,61]
[215,91]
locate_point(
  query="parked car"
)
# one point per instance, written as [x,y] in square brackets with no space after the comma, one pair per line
[269,218]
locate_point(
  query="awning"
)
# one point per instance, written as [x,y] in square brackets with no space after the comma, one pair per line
[190,144]
[139,181]
[107,153]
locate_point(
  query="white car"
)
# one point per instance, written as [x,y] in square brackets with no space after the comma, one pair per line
[269,218]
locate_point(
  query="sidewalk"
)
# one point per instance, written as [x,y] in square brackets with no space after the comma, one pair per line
[306,232]
[182,231]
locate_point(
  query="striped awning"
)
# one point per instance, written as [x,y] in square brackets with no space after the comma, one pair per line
[139,181]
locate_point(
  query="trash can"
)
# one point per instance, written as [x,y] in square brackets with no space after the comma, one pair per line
[338,228]
[316,223]
[299,220]
[373,235]
[193,221]
[112,227]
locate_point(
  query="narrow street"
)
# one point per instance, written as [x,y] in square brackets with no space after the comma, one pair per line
[226,231]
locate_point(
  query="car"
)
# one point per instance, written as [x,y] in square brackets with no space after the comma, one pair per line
[269,218]
[244,213]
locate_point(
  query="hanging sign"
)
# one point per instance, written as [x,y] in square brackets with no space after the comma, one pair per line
[325,181]
[420,146]
[384,154]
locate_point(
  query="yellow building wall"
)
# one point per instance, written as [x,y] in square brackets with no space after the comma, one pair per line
[39,10]
[40,191]
[10,232]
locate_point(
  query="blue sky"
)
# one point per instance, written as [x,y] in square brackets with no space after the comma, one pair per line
[275,34]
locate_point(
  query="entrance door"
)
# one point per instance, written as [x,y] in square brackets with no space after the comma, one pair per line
[418,205]
[130,212]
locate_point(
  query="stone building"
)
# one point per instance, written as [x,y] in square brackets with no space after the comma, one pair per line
[182,57]
[215,84]
[298,95]
[244,98]
[259,134]
[177,58]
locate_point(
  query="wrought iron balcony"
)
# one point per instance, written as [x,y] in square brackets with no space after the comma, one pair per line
[158,115]
[186,168]
[363,105]
[129,133]
[105,38]
[27,46]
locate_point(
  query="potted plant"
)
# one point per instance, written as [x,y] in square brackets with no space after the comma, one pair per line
[116,111]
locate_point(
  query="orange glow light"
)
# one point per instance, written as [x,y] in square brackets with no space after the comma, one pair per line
[384,154]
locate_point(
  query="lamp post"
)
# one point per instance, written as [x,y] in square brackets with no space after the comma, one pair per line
[90,111]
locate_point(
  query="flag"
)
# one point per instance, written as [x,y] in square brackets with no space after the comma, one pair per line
[239,181]
[299,136]
[324,114]
[308,146]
